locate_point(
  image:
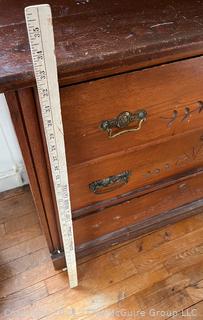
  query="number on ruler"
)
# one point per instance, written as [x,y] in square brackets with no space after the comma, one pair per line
[42,49]
[36,32]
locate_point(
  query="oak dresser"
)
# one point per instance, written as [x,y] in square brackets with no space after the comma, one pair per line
[131,87]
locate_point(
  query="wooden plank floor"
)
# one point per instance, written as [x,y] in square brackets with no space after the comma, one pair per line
[158,276]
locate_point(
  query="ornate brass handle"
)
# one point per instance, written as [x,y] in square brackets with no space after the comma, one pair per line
[122,121]
[109,184]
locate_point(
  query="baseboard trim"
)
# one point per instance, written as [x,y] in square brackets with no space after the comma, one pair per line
[132,231]
[13,179]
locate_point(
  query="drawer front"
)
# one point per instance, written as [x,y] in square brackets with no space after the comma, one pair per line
[171,95]
[139,209]
[146,166]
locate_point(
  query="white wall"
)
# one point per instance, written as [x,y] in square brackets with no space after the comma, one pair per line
[12,169]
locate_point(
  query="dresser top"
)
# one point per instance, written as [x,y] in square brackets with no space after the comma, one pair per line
[96,38]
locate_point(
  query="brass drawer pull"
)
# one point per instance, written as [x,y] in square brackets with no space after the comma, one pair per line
[109,184]
[122,121]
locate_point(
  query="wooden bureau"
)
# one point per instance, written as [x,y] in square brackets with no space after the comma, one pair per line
[131,76]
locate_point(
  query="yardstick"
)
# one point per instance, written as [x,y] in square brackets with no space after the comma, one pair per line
[41,39]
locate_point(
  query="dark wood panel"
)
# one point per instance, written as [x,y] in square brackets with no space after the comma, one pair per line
[97,38]
[171,109]
[147,166]
[18,121]
[26,97]
[25,119]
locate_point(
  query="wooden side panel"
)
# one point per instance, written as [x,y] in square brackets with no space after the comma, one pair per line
[25,120]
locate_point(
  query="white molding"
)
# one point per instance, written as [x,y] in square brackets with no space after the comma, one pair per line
[13,179]
[12,169]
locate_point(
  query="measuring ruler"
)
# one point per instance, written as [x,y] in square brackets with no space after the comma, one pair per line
[41,39]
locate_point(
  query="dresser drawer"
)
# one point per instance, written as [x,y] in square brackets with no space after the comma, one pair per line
[137,210]
[136,168]
[170,94]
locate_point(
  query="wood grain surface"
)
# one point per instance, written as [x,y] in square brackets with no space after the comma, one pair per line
[158,272]
[25,119]
[147,166]
[170,94]
[137,210]
[97,38]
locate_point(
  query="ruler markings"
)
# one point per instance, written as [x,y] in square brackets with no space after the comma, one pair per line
[41,37]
